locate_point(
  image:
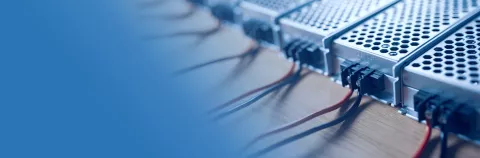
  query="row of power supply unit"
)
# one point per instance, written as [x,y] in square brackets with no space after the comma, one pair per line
[418,55]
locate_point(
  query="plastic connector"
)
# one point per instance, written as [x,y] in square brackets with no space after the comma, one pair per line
[357,75]
[345,67]
[458,117]
[466,121]
[304,51]
[259,30]
[224,12]
[420,101]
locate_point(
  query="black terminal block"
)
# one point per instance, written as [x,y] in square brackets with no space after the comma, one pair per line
[224,12]
[466,121]
[459,117]
[259,30]
[304,51]
[357,75]
[420,100]
[345,67]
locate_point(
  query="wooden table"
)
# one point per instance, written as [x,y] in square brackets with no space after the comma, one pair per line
[377,130]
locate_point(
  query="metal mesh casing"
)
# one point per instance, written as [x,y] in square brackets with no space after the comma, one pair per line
[267,9]
[324,16]
[452,65]
[390,36]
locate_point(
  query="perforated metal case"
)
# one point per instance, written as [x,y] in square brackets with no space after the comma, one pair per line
[267,10]
[387,39]
[323,18]
[452,66]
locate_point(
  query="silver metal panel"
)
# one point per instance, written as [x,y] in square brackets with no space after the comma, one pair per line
[403,28]
[323,17]
[267,10]
[387,39]
[453,64]
[214,2]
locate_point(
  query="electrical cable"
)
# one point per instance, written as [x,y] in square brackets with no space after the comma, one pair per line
[224,105]
[250,51]
[191,11]
[285,82]
[202,33]
[301,121]
[428,134]
[444,142]
[340,119]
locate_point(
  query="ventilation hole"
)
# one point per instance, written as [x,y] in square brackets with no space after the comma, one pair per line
[471,51]
[427,62]
[470,42]
[426,68]
[461,77]
[437,71]
[460,60]
[438,49]
[475,82]
[416,65]
[448,47]
[427,57]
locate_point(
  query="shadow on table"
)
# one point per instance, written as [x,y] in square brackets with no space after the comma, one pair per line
[342,130]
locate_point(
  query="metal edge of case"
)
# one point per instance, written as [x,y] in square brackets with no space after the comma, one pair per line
[328,40]
[399,68]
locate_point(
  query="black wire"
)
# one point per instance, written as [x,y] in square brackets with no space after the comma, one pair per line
[340,119]
[444,142]
[198,66]
[261,95]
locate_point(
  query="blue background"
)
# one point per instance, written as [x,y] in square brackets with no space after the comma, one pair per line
[76,81]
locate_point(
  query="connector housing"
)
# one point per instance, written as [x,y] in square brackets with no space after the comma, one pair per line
[356,75]
[460,117]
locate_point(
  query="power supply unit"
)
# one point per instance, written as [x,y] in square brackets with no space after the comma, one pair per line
[259,17]
[325,18]
[450,69]
[390,39]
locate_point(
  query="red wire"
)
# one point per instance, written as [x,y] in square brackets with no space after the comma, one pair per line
[301,121]
[224,105]
[428,133]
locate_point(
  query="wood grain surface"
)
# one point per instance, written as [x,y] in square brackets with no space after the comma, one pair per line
[377,130]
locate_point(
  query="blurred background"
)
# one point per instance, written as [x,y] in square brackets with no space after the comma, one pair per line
[103,78]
